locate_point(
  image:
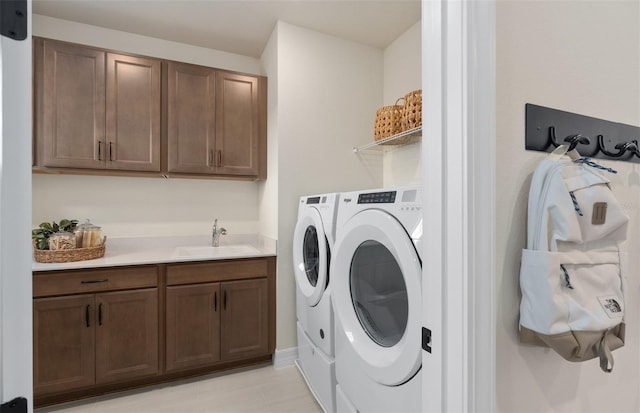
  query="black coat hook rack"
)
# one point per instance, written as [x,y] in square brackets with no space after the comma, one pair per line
[547,128]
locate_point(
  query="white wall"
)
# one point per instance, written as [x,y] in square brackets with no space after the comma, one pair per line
[402,74]
[69,31]
[15,218]
[327,91]
[582,57]
[268,192]
[136,206]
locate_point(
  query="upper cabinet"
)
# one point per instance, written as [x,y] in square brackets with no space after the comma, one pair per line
[100,112]
[213,121]
[191,92]
[95,109]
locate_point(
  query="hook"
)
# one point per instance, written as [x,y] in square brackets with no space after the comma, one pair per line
[573,140]
[622,148]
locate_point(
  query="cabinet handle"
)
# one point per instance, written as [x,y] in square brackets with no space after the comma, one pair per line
[215,301]
[211,157]
[86,315]
[111,151]
[100,314]
[99,150]
[94,281]
[224,303]
[219,158]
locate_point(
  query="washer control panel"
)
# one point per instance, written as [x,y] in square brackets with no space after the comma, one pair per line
[388,197]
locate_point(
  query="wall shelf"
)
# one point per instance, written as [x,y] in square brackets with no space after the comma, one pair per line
[411,136]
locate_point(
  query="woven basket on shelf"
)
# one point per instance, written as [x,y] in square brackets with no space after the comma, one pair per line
[412,110]
[388,121]
[70,255]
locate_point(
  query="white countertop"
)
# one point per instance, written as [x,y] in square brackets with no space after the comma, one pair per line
[122,251]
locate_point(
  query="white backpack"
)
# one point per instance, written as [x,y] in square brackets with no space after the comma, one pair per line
[572,272]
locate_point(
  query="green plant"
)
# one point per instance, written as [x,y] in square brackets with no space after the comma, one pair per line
[46,229]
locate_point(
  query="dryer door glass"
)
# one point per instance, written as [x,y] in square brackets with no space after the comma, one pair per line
[379,293]
[311,254]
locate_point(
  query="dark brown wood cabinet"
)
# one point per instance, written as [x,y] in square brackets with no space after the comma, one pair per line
[102,112]
[214,121]
[192,326]
[237,126]
[95,109]
[95,338]
[63,343]
[218,311]
[190,118]
[126,335]
[245,323]
[102,330]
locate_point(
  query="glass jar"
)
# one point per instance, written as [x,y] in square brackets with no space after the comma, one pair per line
[62,241]
[88,235]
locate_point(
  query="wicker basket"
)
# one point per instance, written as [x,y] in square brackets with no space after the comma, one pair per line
[412,110]
[70,255]
[388,121]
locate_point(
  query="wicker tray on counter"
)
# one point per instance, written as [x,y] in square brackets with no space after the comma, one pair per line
[70,255]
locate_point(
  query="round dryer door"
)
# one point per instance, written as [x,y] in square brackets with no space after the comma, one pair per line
[376,278]
[311,256]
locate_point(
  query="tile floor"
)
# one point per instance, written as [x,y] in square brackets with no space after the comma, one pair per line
[260,389]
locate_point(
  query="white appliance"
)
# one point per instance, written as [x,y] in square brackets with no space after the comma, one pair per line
[313,241]
[376,273]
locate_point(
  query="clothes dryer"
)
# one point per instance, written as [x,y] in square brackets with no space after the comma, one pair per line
[376,273]
[313,241]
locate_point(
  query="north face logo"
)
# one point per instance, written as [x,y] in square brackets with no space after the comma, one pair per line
[612,305]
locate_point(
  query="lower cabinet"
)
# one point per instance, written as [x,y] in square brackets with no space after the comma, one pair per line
[90,339]
[219,311]
[212,322]
[102,330]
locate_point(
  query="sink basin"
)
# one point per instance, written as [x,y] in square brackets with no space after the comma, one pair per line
[212,252]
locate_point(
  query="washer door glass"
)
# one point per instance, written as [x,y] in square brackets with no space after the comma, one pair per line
[379,293]
[311,254]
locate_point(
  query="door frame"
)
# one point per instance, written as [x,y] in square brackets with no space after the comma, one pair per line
[16,364]
[458,161]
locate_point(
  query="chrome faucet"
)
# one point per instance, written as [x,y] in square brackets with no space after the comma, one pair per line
[215,234]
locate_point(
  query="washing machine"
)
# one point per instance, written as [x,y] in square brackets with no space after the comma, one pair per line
[313,241]
[376,273]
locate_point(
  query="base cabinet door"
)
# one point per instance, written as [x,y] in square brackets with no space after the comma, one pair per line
[244,326]
[192,325]
[126,335]
[63,353]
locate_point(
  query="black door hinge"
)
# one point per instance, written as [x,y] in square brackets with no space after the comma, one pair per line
[17,405]
[13,19]
[426,339]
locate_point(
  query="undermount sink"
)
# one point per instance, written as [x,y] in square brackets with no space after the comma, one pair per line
[206,251]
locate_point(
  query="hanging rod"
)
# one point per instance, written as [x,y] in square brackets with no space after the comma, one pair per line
[546,128]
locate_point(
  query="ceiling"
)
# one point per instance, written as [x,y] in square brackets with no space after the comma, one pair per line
[241,26]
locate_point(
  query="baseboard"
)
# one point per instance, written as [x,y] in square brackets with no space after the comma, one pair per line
[285,358]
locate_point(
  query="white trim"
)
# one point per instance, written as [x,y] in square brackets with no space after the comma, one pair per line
[459,176]
[285,358]
[16,378]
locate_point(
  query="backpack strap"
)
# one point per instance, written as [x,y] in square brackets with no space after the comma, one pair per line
[606,358]
[560,151]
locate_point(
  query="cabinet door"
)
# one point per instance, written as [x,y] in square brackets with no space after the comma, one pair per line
[73,105]
[237,124]
[190,118]
[245,315]
[63,343]
[133,113]
[193,325]
[126,334]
